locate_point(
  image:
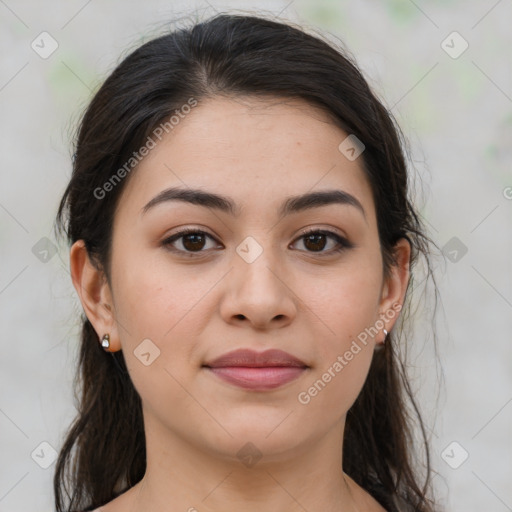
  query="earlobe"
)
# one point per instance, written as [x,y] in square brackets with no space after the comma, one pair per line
[94,293]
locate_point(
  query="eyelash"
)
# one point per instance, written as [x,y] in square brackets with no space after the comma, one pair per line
[343,243]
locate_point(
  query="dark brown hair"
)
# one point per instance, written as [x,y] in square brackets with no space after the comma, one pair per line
[104,454]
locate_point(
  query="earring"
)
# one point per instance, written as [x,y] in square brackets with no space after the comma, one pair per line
[379,346]
[105,342]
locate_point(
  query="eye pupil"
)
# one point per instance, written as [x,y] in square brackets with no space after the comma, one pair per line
[195,239]
[316,238]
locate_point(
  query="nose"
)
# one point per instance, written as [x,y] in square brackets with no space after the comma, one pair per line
[258,294]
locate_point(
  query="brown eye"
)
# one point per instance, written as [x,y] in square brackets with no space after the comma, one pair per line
[315,242]
[190,240]
[318,240]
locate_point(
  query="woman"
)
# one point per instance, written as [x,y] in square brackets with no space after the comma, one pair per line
[241,242]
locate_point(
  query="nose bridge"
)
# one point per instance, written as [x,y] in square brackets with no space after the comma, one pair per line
[257,289]
[257,261]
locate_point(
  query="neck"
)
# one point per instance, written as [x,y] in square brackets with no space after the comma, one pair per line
[181,477]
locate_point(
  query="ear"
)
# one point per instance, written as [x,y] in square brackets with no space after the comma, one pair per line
[95,294]
[395,286]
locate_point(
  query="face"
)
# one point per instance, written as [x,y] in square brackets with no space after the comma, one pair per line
[249,278]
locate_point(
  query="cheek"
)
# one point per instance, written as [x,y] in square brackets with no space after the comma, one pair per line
[345,306]
[334,387]
[155,305]
[344,301]
[164,304]
[155,297]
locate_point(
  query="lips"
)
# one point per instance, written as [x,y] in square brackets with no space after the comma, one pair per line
[257,371]
[251,359]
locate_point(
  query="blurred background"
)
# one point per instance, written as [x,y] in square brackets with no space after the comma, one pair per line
[443,68]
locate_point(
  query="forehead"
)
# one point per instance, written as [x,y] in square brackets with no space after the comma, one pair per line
[255,150]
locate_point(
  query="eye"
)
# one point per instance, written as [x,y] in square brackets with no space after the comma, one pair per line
[191,240]
[194,240]
[315,240]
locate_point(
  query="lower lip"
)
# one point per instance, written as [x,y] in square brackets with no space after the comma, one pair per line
[270,377]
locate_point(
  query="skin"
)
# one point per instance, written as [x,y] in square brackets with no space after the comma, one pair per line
[258,152]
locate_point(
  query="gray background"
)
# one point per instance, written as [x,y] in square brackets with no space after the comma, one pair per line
[454,107]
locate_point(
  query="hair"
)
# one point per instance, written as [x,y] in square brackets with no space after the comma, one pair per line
[104,452]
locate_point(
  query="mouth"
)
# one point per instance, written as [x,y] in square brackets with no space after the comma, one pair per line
[255,371]
[258,379]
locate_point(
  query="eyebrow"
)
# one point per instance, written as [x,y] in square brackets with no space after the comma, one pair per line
[293,204]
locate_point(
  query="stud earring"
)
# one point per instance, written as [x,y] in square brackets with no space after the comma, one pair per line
[379,346]
[105,342]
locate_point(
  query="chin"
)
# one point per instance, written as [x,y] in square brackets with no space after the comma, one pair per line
[256,441]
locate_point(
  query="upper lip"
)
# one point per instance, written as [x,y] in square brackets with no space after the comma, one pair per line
[251,358]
